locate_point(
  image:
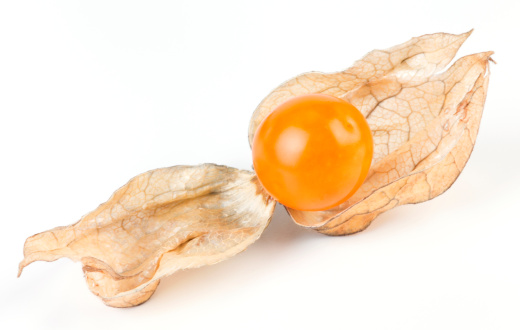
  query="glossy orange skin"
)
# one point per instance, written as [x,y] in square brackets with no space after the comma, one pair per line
[313,152]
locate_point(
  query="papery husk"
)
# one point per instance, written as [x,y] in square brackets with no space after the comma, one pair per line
[161,221]
[424,122]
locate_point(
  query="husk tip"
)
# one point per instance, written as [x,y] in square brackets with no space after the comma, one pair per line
[20,269]
[24,263]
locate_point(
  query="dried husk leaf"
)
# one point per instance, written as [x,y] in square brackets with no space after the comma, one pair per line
[161,221]
[424,123]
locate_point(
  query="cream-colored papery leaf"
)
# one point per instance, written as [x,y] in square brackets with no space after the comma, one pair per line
[424,122]
[161,221]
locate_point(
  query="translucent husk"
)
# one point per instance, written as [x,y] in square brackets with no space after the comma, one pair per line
[424,122]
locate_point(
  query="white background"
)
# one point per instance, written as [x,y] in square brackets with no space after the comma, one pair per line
[95,92]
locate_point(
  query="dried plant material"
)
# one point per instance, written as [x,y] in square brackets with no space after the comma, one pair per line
[424,123]
[161,221]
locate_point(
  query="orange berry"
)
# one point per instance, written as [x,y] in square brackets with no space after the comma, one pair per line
[313,152]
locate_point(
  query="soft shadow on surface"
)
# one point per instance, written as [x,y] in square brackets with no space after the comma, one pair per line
[283,231]
[256,262]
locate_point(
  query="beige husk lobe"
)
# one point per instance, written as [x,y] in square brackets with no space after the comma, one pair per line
[161,221]
[424,121]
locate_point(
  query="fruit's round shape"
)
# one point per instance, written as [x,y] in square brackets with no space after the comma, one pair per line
[313,152]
